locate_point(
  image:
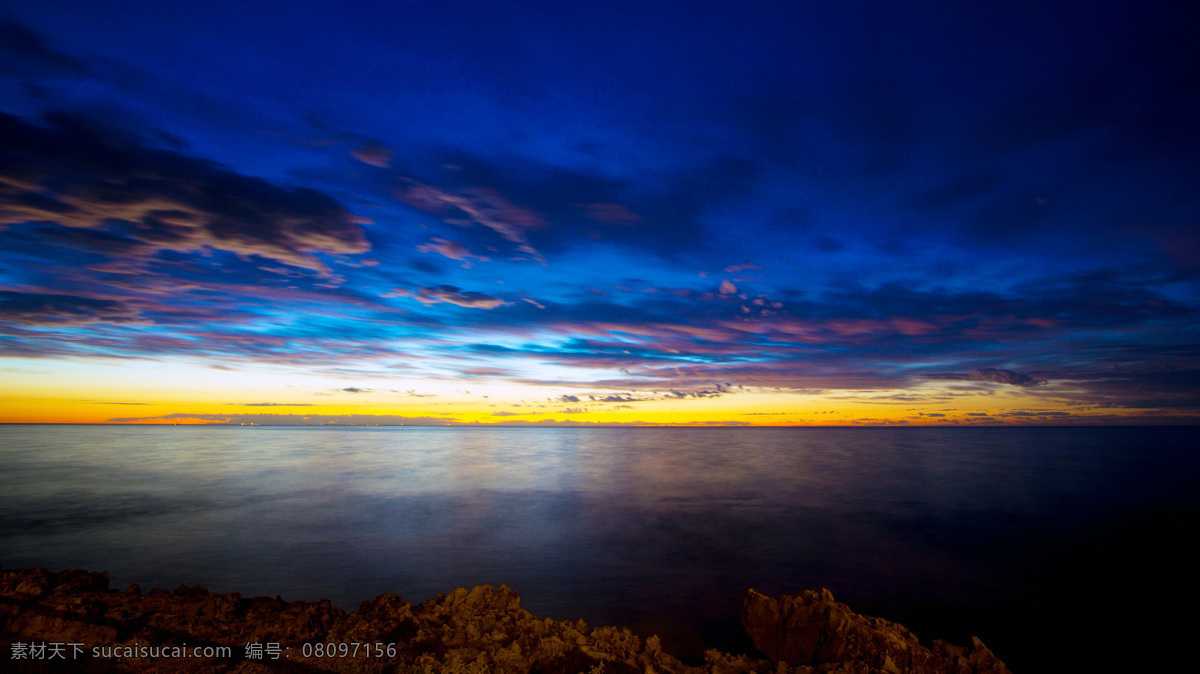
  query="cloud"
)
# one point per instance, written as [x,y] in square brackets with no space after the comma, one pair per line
[163,200]
[373,153]
[478,206]
[612,214]
[568,398]
[992,375]
[1172,388]
[452,295]
[48,309]
[485,373]
[616,399]
[727,288]
[543,208]
[848,338]
[573,422]
[269,404]
[267,419]
[451,249]
[734,268]
[673,393]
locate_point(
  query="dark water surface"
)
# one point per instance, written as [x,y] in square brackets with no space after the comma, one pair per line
[1061,548]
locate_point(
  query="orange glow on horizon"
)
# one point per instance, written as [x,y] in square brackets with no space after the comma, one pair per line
[150,393]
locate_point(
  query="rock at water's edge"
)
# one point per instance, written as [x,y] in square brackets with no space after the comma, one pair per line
[811,628]
[479,630]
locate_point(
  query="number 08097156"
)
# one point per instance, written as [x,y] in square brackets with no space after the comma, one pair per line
[353,649]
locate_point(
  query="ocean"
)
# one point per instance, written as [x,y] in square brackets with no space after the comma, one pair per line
[1061,548]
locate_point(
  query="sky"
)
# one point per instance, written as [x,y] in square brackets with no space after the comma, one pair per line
[816,213]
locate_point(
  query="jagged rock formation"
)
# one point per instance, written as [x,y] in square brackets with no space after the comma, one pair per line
[478,630]
[812,628]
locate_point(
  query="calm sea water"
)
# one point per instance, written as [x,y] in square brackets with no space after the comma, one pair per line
[1058,546]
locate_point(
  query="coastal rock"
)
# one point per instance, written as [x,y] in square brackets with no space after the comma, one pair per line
[483,629]
[811,628]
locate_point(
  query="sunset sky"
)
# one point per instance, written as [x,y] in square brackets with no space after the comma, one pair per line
[775,213]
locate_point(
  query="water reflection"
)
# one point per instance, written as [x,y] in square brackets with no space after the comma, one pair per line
[658,529]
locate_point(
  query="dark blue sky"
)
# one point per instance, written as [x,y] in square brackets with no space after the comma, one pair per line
[929,203]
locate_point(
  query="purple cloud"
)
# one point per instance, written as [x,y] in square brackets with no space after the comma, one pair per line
[374,154]
[478,206]
[452,295]
[451,249]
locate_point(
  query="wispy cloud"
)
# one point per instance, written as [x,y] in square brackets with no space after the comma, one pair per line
[451,249]
[451,295]
[373,153]
[269,404]
[163,200]
[992,375]
[478,206]
[295,419]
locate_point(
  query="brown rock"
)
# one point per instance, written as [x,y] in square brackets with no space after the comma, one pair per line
[483,629]
[811,628]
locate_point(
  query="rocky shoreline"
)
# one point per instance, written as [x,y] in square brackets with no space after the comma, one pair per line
[73,621]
